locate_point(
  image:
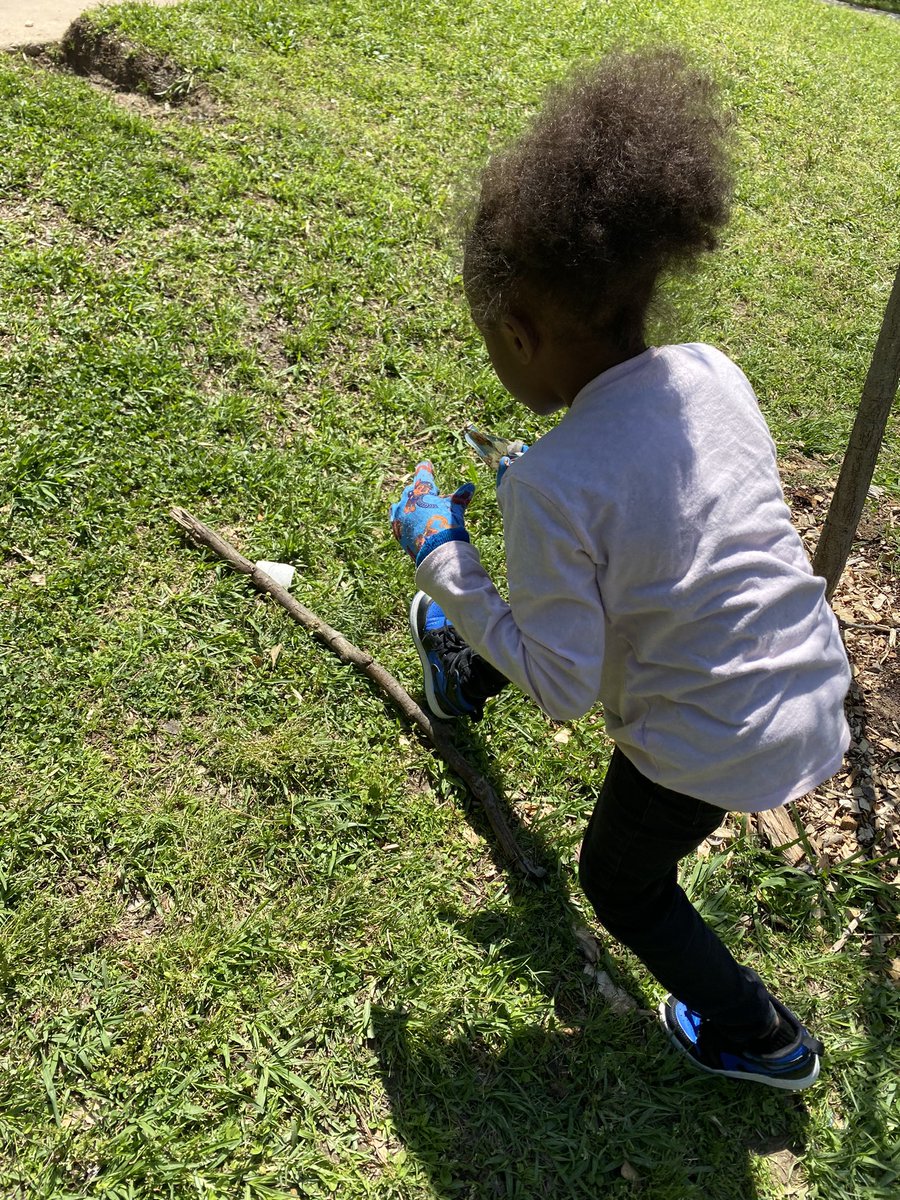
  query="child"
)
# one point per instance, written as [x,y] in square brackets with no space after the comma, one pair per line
[651,560]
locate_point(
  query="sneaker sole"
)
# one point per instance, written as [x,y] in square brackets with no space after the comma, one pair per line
[784,1085]
[418,600]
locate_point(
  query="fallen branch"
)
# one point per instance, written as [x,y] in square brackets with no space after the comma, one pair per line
[348,653]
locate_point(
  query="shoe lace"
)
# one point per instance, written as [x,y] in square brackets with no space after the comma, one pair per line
[454,653]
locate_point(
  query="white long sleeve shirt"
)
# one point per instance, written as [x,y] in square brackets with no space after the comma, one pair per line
[652,565]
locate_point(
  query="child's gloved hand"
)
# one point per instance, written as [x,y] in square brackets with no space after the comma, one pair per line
[423,519]
[517,449]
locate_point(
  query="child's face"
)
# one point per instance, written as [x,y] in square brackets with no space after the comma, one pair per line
[514,359]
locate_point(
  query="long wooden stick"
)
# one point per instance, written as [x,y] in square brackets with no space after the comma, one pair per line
[348,653]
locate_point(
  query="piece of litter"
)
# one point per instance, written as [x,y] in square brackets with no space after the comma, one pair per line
[587,943]
[617,999]
[282,573]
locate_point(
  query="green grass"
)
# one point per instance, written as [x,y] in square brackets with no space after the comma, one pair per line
[255,942]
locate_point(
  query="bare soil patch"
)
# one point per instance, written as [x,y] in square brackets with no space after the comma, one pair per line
[87,50]
[135,77]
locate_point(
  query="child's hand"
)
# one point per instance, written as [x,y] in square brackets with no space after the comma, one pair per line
[517,449]
[423,519]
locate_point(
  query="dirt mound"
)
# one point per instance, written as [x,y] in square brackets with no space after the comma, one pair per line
[90,51]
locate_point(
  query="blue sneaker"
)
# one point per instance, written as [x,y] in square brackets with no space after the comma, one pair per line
[794,1065]
[445,660]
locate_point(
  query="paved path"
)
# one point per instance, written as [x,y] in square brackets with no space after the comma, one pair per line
[28,21]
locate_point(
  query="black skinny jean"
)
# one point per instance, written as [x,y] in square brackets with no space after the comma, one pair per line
[629,871]
[637,835]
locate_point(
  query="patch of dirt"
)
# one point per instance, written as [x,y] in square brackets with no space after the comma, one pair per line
[265,331]
[139,921]
[136,78]
[87,50]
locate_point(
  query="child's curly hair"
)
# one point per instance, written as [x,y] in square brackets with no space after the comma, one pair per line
[626,171]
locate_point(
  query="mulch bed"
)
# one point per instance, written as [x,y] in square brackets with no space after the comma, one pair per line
[857,812]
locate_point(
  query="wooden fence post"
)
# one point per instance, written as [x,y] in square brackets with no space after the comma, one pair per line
[862,449]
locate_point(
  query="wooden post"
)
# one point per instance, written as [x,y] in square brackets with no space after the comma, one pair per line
[862,449]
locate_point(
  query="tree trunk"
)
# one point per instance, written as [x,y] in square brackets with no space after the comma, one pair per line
[862,449]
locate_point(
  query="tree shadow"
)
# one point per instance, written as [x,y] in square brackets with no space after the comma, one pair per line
[583,1102]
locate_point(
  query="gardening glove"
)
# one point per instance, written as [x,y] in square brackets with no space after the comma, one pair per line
[517,449]
[423,519]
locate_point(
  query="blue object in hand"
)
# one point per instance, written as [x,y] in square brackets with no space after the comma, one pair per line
[508,459]
[423,519]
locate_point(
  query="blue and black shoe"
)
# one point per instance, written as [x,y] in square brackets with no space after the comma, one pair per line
[446,660]
[788,1058]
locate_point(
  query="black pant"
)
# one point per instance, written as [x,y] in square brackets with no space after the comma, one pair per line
[629,871]
[638,833]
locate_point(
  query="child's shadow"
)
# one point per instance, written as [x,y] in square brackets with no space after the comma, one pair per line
[576,1102]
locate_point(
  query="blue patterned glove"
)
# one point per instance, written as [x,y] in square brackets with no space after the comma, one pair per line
[423,519]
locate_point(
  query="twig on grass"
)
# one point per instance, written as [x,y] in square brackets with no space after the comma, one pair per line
[348,653]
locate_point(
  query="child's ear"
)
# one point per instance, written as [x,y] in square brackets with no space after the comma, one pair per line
[520,335]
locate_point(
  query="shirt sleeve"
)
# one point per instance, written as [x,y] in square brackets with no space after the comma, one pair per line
[549,638]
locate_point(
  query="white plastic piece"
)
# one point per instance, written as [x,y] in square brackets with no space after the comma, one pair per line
[282,573]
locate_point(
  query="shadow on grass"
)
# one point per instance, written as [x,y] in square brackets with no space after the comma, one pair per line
[583,1103]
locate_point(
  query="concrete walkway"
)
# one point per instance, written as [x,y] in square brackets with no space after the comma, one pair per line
[25,22]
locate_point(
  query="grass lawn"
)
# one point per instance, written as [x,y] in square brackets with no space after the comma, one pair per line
[255,941]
